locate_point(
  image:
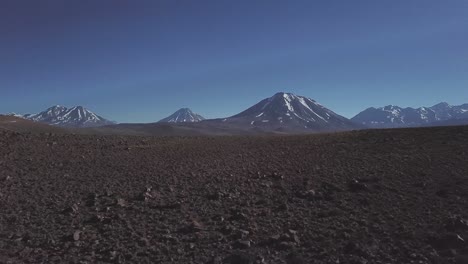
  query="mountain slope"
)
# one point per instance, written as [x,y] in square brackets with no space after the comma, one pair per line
[286,111]
[395,116]
[77,116]
[183,115]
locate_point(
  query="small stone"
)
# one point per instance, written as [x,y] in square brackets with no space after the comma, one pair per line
[122,202]
[239,217]
[228,229]
[71,210]
[241,244]
[448,241]
[26,251]
[244,233]
[456,223]
[76,235]
[215,260]
[356,186]
[191,228]
[239,258]
[293,258]
[113,254]
[284,245]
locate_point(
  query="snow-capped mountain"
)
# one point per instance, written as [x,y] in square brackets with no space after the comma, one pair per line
[77,116]
[395,116]
[289,111]
[183,115]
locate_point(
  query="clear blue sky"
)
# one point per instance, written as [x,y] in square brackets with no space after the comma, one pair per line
[139,61]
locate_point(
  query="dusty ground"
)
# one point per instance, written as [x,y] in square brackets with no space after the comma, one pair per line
[389,196]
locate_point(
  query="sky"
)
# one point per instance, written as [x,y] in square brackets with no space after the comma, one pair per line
[139,61]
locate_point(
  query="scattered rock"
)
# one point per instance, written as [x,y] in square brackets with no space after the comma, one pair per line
[228,229]
[241,234]
[447,241]
[193,227]
[284,245]
[239,258]
[238,216]
[294,258]
[308,216]
[241,244]
[76,235]
[310,195]
[356,186]
[215,260]
[456,223]
[121,202]
[147,194]
[71,210]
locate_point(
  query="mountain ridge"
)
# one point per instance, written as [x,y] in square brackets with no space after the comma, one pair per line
[391,116]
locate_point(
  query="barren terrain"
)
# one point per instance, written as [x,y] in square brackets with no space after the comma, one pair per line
[377,196]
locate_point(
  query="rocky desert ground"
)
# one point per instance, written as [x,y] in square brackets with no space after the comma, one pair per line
[372,196]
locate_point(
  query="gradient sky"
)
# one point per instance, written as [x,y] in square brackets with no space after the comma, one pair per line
[139,61]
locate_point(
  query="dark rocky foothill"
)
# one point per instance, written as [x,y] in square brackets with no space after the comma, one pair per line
[352,197]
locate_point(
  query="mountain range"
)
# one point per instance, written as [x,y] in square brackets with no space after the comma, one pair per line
[280,113]
[392,116]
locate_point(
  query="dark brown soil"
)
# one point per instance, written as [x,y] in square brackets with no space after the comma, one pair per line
[16,124]
[383,196]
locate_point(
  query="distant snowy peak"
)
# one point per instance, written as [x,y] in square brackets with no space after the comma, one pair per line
[15,115]
[290,110]
[395,116]
[287,106]
[183,115]
[77,116]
